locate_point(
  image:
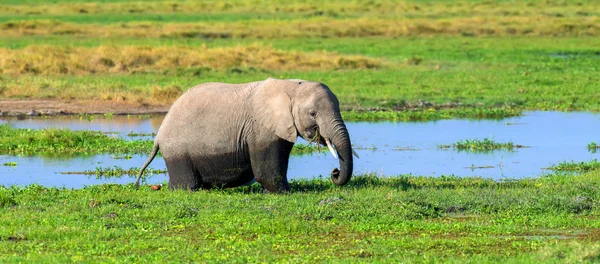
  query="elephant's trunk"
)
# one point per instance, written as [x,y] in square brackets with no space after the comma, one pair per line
[341,140]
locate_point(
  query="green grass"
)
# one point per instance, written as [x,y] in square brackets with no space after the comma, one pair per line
[10,164]
[431,114]
[63,141]
[400,219]
[576,166]
[50,141]
[524,73]
[482,145]
[436,64]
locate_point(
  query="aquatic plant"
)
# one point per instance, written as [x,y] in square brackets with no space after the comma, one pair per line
[30,141]
[109,115]
[134,134]
[64,141]
[115,171]
[126,156]
[301,149]
[593,147]
[582,166]
[481,145]
[431,114]
[10,164]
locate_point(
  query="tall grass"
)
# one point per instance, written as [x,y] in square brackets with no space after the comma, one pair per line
[307,9]
[45,60]
[320,28]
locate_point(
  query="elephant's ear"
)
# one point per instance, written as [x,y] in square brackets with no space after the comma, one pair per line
[271,107]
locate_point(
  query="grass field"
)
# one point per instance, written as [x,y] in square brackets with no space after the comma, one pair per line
[385,60]
[414,219]
[388,55]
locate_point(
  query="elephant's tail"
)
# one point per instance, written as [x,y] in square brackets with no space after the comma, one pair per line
[152,155]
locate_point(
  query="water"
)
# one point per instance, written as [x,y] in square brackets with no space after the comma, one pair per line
[385,148]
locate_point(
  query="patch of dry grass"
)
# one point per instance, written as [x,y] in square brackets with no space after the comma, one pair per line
[50,60]
[332,8]
[362,27]
[166,94]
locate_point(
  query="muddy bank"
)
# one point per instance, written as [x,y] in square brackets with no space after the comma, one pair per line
[51,107]
[47,107]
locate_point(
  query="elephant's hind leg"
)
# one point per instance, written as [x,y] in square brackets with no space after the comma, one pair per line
[183,175]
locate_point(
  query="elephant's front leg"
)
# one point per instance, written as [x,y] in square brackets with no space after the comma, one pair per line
[269,162]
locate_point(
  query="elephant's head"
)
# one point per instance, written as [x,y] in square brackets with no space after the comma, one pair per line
[293,108]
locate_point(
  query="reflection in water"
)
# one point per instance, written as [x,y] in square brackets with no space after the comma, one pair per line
[120,124]
[47,171]
[385,148]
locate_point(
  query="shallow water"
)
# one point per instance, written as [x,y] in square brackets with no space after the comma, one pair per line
[385,148]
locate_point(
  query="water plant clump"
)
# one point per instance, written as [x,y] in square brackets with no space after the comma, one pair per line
[593,147]
[481,145]
[582,166]
[10,164]
[116,171]
[31,141]
[134,134]
[63,141]
[431,114]
[301,149]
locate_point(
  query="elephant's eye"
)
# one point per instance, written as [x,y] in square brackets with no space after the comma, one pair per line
[312,113]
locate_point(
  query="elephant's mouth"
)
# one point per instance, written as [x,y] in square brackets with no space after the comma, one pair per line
[310,133]
[313,135]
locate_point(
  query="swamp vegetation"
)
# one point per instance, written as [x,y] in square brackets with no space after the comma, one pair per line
[385,60]
[51,141]
[404,218]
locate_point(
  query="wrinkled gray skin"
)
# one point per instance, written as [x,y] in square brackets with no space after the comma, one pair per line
[225,135]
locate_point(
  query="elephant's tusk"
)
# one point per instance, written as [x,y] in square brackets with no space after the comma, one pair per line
[355,154]
[330,148]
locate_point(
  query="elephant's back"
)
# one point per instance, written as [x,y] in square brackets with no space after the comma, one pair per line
[202,116]
[216,88]
[208,99]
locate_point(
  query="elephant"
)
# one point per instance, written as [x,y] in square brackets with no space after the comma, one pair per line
[226,135]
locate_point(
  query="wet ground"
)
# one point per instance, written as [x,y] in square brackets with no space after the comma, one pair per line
[385,148]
